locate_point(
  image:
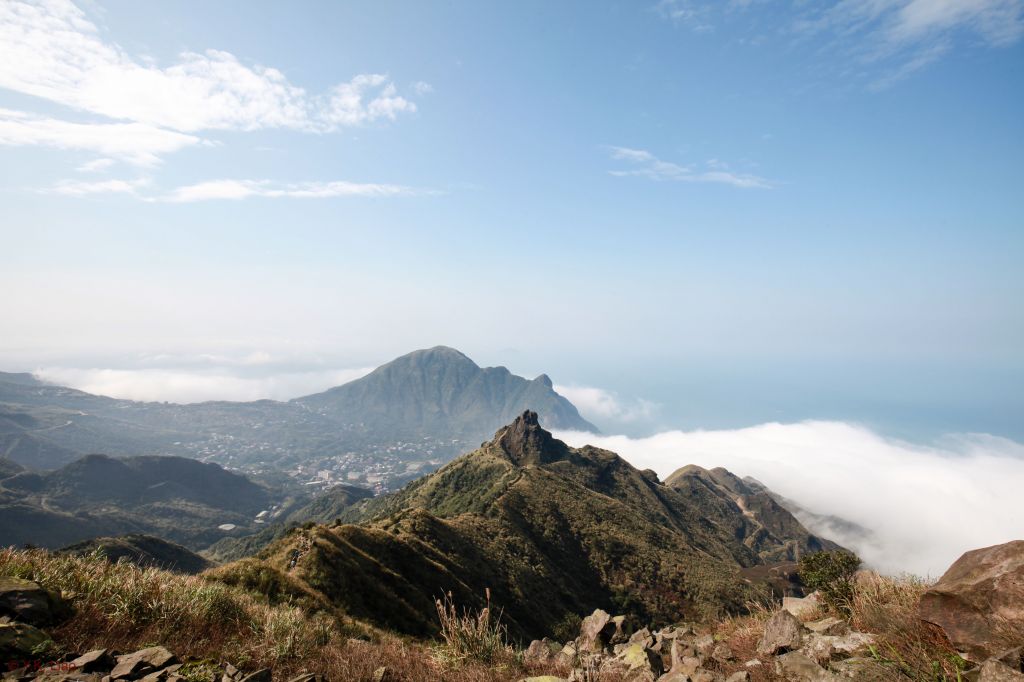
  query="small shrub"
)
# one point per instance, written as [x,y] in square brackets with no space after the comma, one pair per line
[831,573]
[471,636]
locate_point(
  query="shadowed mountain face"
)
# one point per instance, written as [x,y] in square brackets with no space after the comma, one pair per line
[174,497]
[143,550]
[427,405]
[441,392]
[552,531]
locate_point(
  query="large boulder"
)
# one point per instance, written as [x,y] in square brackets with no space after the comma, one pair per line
[30,602]
[979,601]
[782,633]
[599,631]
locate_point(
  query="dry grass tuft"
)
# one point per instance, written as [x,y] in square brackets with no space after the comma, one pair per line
[471,636]
[909,647]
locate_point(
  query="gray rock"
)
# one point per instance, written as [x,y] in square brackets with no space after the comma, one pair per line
[704,644]
[94,661]
[853,643]
[994,670]
[637,657]
[721,653]
[796,667]
[596,632]
[29,602]
[802,607]
[21,640]
[828,626]
[542,651]
[141,663]
[782,633]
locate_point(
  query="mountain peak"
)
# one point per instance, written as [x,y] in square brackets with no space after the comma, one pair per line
[526,442]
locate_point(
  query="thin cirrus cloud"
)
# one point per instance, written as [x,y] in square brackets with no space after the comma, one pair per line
[51,50]
[887,40]
[230,189]
[242,189]
[642,163]
[139,144]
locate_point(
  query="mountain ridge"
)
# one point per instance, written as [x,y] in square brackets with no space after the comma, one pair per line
[432,404]
[551,531]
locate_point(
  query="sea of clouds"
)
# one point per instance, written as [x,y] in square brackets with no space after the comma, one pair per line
[922,505]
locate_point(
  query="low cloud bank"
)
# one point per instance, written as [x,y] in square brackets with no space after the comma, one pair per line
[923,505]
[197,385]
[603,405]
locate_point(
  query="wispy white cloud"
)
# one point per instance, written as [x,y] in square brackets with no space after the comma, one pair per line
[602,405]
[923,505]
[887,39]
[242,189]
[77,189]
[51,50]
[642,163]
[96,165]
[135,143]
[231,189]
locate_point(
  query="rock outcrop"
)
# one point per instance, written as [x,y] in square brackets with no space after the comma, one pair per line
[979,601]
[791,649]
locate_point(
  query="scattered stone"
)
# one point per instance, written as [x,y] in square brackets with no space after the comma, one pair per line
[753,663]
[801,607]
[381,674]
[674,677]
[819,648]
[542,651]
[993,670]
[706,676]
[861,669]
[782,633]
[21,640]
[231,671]
[687,665]
[142,662]
[704,643]
[596,632]
[853,642]
[721,653]
[796,667]
[29,602]
[568,653]
[979,601]
[638,657]
[642,635]
[94,661]
[828,626]
[740,676]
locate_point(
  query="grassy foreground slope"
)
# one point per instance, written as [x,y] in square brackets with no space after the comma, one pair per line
[201,619]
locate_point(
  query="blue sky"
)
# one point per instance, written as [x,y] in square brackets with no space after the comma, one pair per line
[711,213]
